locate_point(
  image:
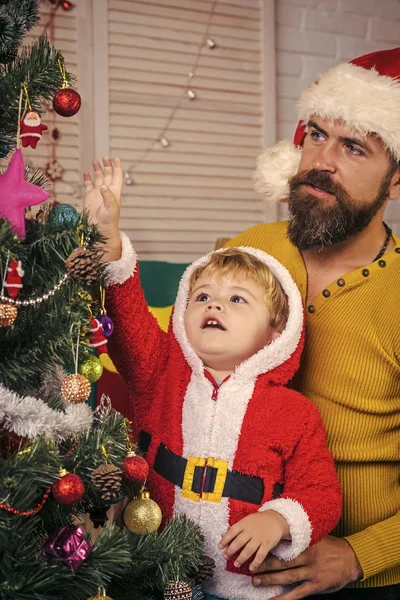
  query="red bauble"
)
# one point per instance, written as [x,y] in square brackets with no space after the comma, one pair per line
[68,489]
[67,102]
[135,470]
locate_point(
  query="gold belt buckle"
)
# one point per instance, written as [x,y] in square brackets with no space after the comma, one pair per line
[222,472]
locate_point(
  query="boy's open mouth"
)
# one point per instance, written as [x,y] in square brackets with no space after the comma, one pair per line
[211,323]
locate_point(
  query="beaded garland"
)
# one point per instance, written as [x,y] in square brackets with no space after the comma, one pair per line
[38,300]
[27,513]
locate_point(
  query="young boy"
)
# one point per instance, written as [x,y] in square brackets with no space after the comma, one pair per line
[227,443]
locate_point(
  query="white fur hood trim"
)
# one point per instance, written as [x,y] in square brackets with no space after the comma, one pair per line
[365,100]
[269,357]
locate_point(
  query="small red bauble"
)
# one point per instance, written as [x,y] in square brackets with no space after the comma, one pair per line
[68,489]
[67,102]
[135,470]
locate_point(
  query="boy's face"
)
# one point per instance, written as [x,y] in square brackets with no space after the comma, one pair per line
[227,321]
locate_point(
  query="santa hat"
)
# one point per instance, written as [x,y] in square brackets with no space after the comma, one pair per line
[364,94]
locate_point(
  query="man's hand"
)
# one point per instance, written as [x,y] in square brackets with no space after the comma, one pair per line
[103,202]
[326,567]
[256,534]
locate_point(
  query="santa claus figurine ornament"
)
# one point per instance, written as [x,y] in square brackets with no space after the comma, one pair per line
[97,339]
[14,277]
[31,129]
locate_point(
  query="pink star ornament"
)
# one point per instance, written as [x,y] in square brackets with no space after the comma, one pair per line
[16,194]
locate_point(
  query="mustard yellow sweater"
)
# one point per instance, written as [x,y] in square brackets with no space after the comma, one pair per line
[351,370]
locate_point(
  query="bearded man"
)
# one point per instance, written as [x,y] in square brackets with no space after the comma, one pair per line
[338,178]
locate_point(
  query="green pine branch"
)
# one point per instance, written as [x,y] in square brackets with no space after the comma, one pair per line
[29,348]
[38,67]
[169,555]
[17,17]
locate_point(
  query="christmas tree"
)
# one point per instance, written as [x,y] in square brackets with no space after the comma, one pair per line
[60,461]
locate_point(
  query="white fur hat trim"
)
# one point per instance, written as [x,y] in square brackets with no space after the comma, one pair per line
[362,98]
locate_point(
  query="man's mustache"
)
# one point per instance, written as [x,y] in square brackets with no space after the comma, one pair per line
[318,179]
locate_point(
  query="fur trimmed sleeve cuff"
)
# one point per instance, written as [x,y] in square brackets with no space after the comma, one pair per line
[120,270]
[299,524]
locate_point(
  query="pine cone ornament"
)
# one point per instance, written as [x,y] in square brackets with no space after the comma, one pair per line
[107,479]
[205,570]
[82,264]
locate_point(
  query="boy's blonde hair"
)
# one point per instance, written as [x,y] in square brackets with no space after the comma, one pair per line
[235,262]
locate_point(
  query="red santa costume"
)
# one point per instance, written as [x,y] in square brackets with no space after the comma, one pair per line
[215,453]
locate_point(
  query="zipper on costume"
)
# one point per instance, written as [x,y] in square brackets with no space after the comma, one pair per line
[211,379]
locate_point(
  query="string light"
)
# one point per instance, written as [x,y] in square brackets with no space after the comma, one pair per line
[128,178]
[64,4]
[188,92]
[164,142]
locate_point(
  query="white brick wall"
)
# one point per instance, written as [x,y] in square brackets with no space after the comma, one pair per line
[313,35]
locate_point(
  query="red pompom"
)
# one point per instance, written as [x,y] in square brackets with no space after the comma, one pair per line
[135,470]
[68,489]
[67,102]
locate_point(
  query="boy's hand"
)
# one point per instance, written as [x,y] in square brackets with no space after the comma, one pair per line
[257,534]
[103,202]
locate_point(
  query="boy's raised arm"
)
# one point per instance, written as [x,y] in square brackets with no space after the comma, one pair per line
[102,202]
[138,346]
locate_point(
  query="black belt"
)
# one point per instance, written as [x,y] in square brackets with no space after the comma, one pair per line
[237,486]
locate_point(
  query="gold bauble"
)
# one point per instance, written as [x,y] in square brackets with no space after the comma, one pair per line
[91,368]
[101,595]
[76,388]
[8,314]
[142,515]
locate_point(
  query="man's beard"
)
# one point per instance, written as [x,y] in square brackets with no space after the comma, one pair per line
[315,225]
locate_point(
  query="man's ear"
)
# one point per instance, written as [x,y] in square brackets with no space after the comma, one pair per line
[394,189]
